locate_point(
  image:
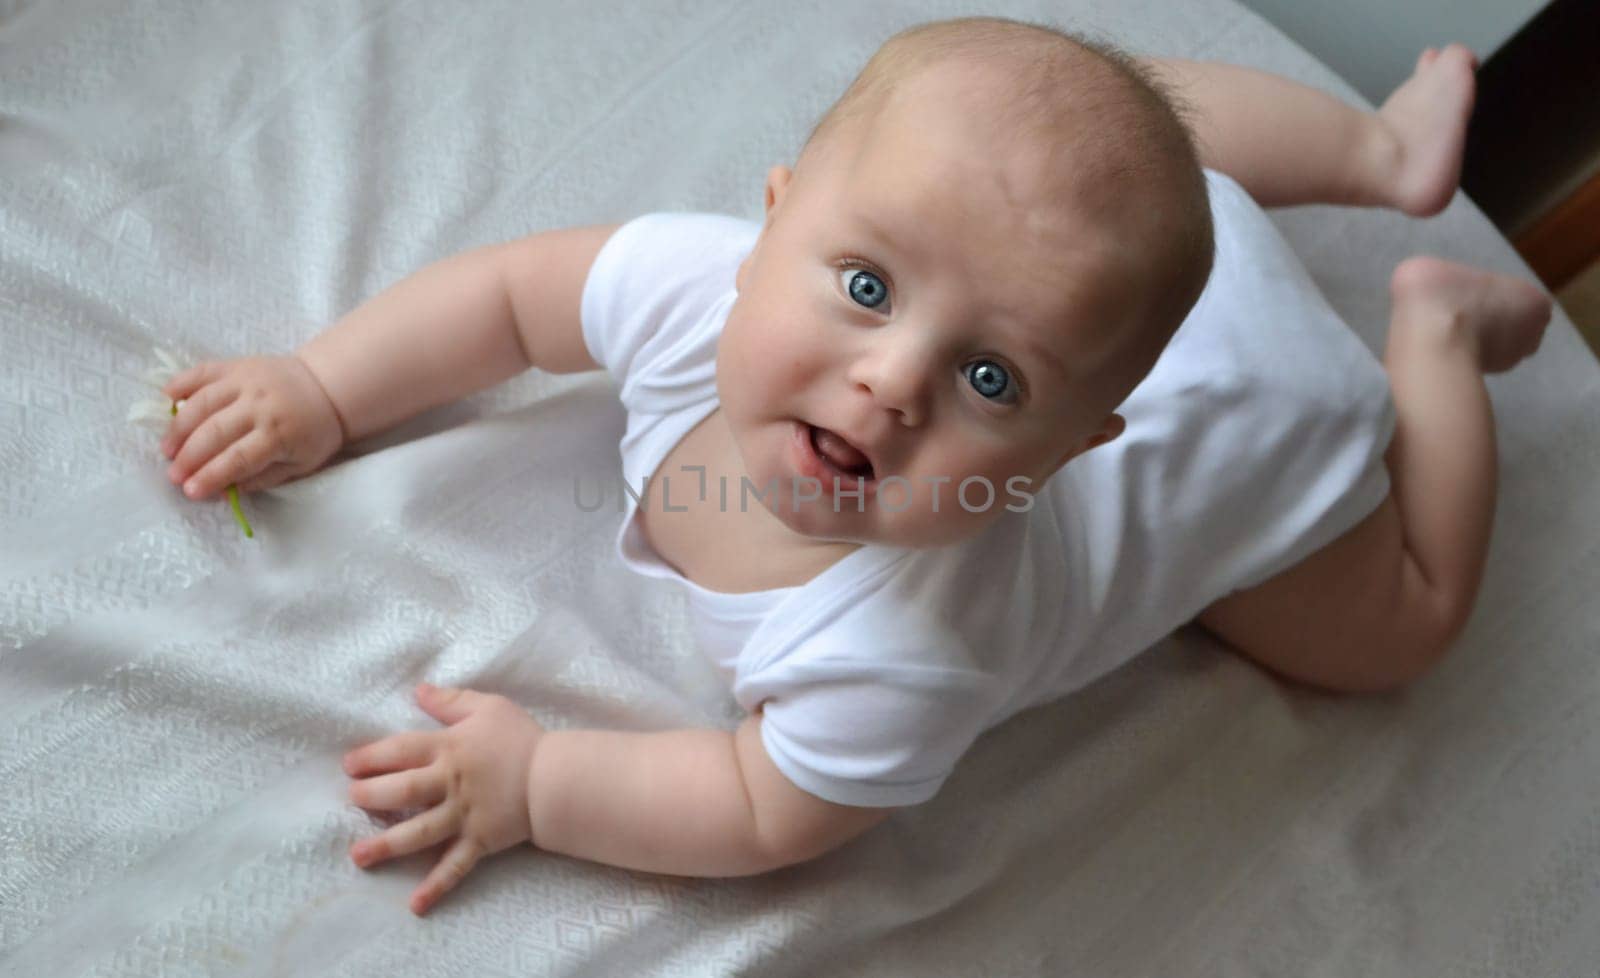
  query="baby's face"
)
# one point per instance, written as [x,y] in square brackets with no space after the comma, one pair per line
[906,297]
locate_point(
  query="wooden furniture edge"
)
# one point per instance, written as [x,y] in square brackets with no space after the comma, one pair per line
[1564,240]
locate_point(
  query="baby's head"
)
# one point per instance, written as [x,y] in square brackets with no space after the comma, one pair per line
[980,252]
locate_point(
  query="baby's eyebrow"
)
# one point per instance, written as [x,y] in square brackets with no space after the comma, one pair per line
[1015,334]
[877,230]
[1052,361]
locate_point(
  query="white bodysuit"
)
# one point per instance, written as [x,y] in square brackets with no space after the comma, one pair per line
[1257,439]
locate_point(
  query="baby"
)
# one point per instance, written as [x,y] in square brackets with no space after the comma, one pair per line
[998,253]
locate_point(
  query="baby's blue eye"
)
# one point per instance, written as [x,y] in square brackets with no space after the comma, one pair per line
[865,287]
[988,378]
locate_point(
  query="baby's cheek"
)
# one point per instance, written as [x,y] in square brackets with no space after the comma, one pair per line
[779,369]
[752,348]
[975,496]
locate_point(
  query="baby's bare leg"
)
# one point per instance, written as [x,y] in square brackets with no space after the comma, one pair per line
[1289,144]
[1382,603]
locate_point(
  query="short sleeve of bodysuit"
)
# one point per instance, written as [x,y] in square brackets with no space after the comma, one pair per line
[868,695]
[654,303]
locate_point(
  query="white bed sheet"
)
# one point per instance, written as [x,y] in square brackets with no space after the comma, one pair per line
[174,699]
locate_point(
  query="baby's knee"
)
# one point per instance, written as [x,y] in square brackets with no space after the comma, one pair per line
[1426,625]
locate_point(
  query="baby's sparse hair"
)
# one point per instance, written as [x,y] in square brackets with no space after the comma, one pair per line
[1136,153]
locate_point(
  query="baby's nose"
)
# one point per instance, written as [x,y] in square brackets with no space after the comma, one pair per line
[896,381]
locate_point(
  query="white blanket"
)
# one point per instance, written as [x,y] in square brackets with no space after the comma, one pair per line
[225,179]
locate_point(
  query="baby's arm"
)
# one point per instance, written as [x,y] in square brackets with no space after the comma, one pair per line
[1287,143]
[455,327]
[683,802]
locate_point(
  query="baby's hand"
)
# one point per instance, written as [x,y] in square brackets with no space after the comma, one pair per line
[253,423]
[472,777]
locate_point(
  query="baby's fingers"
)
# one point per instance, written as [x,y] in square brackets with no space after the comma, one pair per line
[457,862]
[243,458]
[275,474]
[193,412]
[401,790]
[215,433]
[397,753]
[413,835]
[186,382]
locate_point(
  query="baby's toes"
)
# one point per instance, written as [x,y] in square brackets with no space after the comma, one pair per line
[1463,52]
[1513,320]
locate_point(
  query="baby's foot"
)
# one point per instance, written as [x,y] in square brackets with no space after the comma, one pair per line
[1428,116]
[1501,317]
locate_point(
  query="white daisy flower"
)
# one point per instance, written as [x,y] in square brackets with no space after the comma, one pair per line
[156,411]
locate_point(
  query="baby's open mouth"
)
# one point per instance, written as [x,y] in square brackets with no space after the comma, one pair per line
[840,454]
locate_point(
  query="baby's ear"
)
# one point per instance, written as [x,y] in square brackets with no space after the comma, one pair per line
[1114,426]
[777,185]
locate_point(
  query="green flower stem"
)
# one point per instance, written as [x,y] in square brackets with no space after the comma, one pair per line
[238,513]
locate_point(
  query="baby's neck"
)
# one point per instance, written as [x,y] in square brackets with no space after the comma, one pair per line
[721,546]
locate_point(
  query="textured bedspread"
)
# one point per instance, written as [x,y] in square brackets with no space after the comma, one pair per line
[223,179]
